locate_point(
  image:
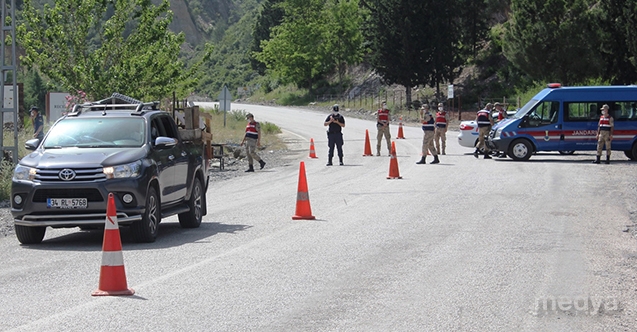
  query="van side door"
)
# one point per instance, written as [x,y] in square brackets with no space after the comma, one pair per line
[580,125]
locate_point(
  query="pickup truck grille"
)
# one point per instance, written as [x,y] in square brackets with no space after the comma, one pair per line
[69,174]
[92,195]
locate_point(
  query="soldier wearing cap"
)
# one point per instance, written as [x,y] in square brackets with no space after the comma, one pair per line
[428,137]
[440,133]
[605,129]
[502,114]
[382,124]
[484,121]
[335,123]
[252,140]
[38,123]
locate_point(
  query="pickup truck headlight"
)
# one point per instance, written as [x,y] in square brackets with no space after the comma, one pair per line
[23,173]
[123,171]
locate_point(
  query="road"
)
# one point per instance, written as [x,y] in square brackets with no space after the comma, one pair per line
[466,245]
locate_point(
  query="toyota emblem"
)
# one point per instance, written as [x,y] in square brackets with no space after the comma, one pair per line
[67,174]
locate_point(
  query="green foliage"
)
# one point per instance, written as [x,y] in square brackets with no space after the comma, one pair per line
[418,43]
[6,173]
[270,16]
[102,47]
[269,128]
[553,40]
[229,63]
[238,115]
[314,38]
[294,54]
[617,21]
[34,90]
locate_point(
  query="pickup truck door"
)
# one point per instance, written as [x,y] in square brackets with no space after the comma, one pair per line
[165,159]
[175,189]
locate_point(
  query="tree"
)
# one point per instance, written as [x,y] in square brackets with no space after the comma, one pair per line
[270,16]
[102,47]
[343,35]
[296,52]
[553,40]
[618,45]
[34,89]
[399,50]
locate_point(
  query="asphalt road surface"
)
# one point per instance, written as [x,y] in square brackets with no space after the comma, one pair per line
[466,245]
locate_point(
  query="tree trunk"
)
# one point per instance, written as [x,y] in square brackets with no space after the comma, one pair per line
[408,97]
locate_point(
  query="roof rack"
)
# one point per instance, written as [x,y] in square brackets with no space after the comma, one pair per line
[116,101]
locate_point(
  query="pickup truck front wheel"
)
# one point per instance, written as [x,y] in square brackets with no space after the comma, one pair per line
[145,230]
[29,235]
[192,218]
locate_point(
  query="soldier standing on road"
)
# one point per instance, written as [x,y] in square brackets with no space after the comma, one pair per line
[604,134]
[441,129]
[382,119]
[502,114]
[428,138]
[484,121]
[38,123]
[335,123]
[252,140]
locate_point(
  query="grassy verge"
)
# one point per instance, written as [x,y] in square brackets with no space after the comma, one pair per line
[234,129]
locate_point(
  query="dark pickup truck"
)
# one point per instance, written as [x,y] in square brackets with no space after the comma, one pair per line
[119,146]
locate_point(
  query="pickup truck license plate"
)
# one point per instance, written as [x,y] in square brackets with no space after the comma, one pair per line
[67,203]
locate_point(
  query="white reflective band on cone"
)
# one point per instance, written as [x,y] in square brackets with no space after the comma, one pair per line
[111,222]
[112,258]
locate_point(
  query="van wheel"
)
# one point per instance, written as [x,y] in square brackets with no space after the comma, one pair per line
[192,218]
[633,152]
[145,230]
[629,154]
[29,235]
[520,149]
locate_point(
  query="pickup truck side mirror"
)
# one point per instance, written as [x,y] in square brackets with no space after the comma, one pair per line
[32,144]
[162,142]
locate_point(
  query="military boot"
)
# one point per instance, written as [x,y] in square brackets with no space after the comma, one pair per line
[607,160]
[422,161]
[250,169]
[262,164]
[435,160]
[596,160]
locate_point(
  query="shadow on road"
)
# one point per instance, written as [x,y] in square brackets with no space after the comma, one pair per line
[170,235]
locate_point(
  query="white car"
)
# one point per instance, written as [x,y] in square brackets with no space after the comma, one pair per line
[468,136]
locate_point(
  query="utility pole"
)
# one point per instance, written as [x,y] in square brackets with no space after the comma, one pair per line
[8,67]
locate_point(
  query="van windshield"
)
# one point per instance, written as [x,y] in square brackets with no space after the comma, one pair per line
[526,109]
[96,133]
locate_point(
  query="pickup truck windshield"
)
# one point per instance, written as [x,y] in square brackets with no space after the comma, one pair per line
[96,133]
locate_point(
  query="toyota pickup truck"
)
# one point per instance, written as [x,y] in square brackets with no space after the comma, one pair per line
[117,145]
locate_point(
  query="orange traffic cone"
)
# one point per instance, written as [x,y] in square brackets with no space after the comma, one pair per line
[393,164]
[400,128]
[368,146]
[303,209]
[112,275]
[312,152]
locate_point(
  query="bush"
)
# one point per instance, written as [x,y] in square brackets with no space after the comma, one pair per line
[269,128]
[6,173]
